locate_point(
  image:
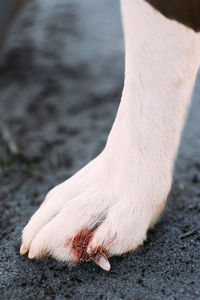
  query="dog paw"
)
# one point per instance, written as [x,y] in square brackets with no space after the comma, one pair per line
[101,211]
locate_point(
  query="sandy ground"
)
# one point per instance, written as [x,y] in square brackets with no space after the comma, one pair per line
[60,84]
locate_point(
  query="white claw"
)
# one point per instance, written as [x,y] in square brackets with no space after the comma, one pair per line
[31,255]
[103,262]
[23,250]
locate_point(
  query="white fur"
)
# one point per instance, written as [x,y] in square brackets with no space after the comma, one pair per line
[125,188]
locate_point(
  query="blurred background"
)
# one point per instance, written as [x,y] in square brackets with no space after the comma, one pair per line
[61,78]
[60,73]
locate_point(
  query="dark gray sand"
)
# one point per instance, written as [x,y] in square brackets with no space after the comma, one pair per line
[60,84]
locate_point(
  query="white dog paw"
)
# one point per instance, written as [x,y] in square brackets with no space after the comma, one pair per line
[93,215]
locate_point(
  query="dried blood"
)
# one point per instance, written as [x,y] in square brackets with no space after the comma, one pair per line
[79,244]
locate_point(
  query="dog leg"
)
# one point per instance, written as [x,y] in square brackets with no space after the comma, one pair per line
[107,207]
